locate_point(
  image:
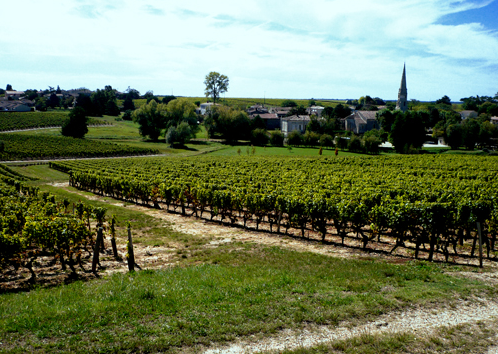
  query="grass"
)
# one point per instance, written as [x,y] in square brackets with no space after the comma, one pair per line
[465,338]
[277,151]
[238,292]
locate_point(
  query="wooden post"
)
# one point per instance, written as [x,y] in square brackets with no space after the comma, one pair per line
[480,243]
[131,256]
[96,250]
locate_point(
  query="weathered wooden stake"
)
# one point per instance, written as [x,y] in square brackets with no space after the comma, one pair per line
[131,256]
[96,250]
[480,243]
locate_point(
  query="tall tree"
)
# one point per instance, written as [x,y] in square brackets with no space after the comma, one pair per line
[76,126]
[9,87]
[407,131]
[216,84]
[152,119]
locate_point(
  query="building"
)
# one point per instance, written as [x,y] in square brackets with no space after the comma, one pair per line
[272,121]
[494,120]
[468,114]
[292,123]
[402,103]
[14,106]
[361,121]
[253,111]
[13,95]
[205,107]
[315,110]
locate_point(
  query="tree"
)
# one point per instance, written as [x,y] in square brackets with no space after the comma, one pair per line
[134,94]
[152,119]
[453,135]
[182,110]
[127,115]
[111,108]
[9,87]
[167,99]
[289,103]
[58,91]
[179,135]
[76,126]
[128,103]
[259,137]
[41,104]
[444,100]
[326,140]
[295,138]
[407,131]
[216,84]
[470,133]
[276,138]
[53,101]
[258,123]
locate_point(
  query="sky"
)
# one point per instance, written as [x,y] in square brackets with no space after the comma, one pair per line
[274,49]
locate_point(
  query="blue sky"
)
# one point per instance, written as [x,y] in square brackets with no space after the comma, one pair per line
[281,49]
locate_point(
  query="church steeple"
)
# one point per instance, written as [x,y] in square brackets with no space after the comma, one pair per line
[402,103]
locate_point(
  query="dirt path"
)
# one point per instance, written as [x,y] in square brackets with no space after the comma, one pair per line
[420,322]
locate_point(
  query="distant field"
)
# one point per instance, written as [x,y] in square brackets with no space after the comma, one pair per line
[22,147]
[243,103]
[30,120]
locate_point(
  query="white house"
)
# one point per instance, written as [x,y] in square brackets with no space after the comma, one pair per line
[494,120]
[289,124]
[205,107]
[315,110]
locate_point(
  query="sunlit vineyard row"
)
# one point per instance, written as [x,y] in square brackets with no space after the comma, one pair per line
[35,226]
[30,120]
[24,147]
[413,201]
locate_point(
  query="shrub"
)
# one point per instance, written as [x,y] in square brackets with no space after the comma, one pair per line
[326,140]
[277,138]
[295,138]
[259,137]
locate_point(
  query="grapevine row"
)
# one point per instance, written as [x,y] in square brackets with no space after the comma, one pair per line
[420,200]
[34,224]
[30,120]
[22,147]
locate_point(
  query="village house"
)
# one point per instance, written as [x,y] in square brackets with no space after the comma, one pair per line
[361,121]
[315,110]
[15,106]
[468,114]
[494,120]
[205,107]
[13,95]
[292,123]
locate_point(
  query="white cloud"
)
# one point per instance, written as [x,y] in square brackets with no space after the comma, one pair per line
[318,48]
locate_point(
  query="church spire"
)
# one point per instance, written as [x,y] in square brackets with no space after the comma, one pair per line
[402,103]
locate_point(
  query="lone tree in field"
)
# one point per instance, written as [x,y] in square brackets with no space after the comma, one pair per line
[76,126]
[216,84]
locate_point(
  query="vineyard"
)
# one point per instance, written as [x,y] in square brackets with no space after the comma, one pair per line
[38,228]
[424,204]
[22,147]
[29,120]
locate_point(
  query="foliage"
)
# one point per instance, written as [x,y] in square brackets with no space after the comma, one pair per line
[397,196]
[407,130]
[444,100]
[76,126]
[259,137]
[216,84]
[277,138]
[21,147]
[295,138]
[288,103]
[30,120]
[128,115]
[151,118]
[231,125]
